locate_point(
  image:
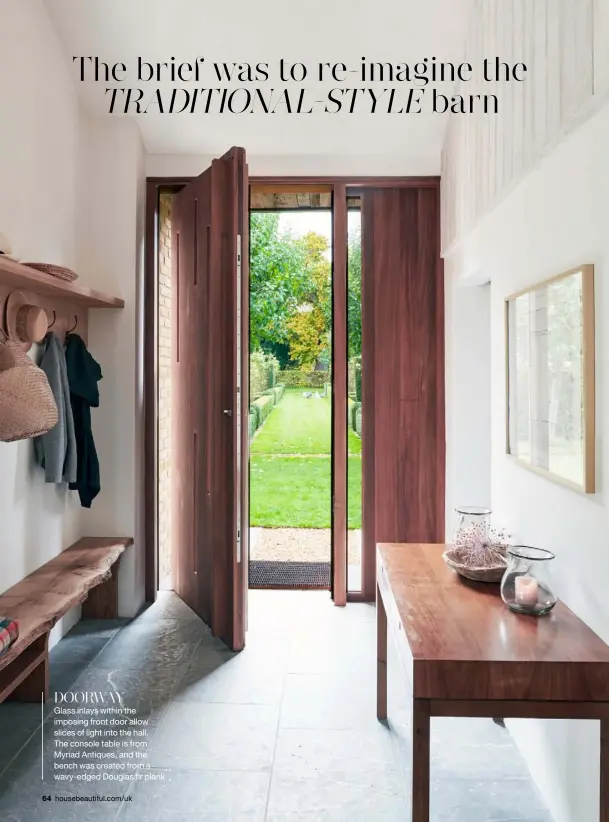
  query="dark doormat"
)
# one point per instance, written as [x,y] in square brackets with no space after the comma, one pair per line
[301,575]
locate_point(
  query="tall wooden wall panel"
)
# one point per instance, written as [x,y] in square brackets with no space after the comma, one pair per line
[191,520]
[403,370]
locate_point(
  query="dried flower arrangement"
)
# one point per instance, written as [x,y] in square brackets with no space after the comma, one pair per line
[479,552]
[482,546]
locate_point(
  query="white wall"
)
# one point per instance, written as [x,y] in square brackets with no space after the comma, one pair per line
[38,205]
[110,251]
[468,381]
[71,191]
[556,219]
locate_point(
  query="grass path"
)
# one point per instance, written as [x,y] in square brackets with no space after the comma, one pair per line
[290,467]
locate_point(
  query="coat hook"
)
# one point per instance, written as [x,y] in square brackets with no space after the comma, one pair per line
[75,324]
[53,323]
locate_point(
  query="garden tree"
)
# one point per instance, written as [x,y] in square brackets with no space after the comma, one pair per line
[309,326]
[354,293]
[279,350]
[279,280]
[307,338]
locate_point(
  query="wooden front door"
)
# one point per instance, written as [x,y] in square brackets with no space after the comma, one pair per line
[403,439]
[210,384]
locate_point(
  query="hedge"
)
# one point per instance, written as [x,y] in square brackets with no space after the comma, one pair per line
[265,405]
[304,379]
[255,412]
[358,422]
[277,392]
[252,423]
[354,409]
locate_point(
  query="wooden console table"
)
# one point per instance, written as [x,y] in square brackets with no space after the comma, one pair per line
[466,654]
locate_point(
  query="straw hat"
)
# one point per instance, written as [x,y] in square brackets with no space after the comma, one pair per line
[25,323]
[27,405]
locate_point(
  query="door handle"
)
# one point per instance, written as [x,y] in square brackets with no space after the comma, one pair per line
[228,412]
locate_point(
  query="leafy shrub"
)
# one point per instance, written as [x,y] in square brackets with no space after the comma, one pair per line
[252,423]
[263,372]
[350,404]
[277,392]
[254,412]
[265,405]
[273,370]
[304,379]
[355,408]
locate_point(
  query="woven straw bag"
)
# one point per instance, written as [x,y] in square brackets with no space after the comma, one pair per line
[27,404]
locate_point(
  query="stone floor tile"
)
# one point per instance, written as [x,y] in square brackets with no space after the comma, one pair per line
[470,800]
[158,643]
[366,756]
[325,799]
[323,701]
[216,736]
[215,674]
[197,796]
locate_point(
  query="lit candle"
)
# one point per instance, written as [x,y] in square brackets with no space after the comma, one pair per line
[527,590]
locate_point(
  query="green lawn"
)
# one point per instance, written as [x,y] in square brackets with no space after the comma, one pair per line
[300,426]
[290,467]
[294,492]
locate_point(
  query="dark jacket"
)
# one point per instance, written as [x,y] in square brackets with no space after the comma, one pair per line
[83,375]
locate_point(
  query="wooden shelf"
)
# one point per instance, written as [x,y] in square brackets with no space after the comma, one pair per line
[19,276]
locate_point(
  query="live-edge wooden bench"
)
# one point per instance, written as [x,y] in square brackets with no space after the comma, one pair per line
[87,573]
[465,654]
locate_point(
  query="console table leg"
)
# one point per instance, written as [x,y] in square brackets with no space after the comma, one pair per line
[381,657]
[420,760]
[604,814]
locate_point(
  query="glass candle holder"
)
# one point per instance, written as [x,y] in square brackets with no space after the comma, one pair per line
[525,587]
[472,525]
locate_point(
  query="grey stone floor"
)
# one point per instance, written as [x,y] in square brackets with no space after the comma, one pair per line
[283,732]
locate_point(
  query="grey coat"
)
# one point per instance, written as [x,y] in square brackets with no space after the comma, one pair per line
[56,450]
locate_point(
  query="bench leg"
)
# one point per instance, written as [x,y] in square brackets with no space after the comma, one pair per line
[420,760]
[381,657]
[604,814]
[102,601]
[36,684]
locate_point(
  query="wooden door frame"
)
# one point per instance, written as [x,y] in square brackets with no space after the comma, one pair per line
[149,481]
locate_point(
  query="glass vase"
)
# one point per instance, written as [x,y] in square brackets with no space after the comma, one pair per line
[526,587]
[472,525]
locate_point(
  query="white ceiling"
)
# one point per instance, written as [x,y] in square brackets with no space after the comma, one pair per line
[309,31]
